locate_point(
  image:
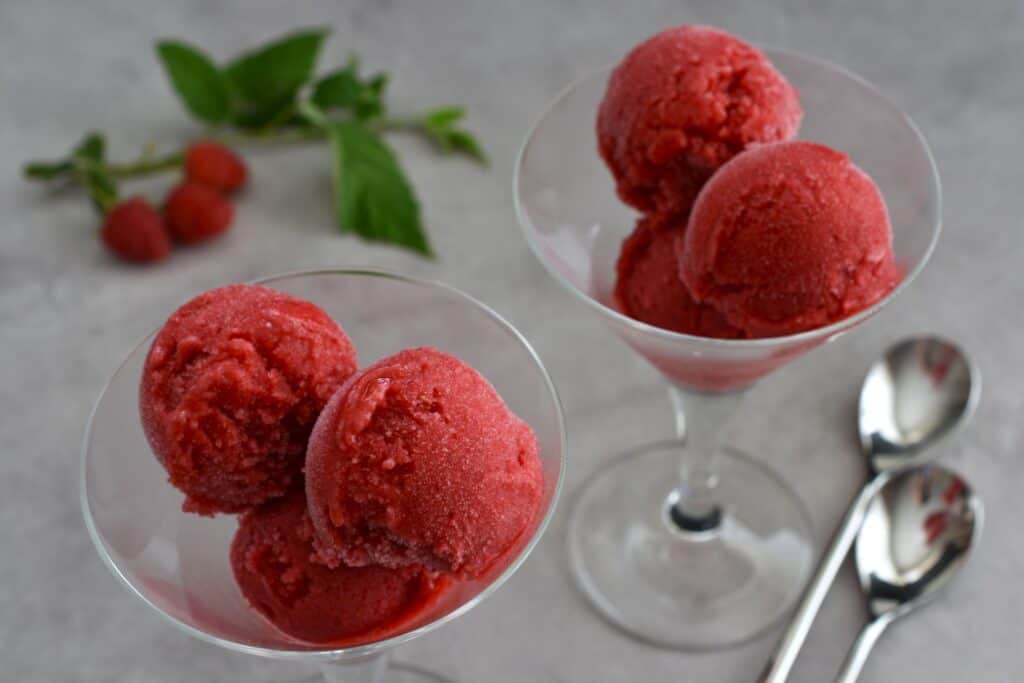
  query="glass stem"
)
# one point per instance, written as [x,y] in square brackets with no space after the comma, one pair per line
[363,670]
[700,419]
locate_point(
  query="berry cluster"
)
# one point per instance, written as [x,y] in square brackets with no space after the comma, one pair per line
[196,210]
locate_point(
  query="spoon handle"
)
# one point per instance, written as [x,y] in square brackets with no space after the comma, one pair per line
[781,663]
[858,654]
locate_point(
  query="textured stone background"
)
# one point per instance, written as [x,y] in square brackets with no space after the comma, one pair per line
[68,314]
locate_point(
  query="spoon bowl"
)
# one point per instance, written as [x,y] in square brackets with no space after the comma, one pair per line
[915,537]
[912,397]
[917,533]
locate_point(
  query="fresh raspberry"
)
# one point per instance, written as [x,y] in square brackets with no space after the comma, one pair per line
[214,165]
[196,212]
[135,232]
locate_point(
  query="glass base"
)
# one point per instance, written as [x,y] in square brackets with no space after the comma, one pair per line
[398,672]
[389,672]
[685,590]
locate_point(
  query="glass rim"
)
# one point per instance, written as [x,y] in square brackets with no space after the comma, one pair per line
[530,230]
[365,649]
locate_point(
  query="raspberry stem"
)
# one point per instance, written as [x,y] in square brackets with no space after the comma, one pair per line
[145,165]
[148,164]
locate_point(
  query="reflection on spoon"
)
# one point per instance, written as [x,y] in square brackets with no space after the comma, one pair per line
[916,535]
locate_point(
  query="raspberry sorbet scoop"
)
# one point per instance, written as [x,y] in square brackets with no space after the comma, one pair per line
[231,388]
[648,287]
[417,460]
[789,237]
[680,105]
[277,570]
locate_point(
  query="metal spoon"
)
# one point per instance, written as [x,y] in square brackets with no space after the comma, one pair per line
[916,535]
[911,397]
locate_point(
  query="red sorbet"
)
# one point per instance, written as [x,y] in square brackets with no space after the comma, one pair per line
[417,460]
[680,105]
[276,567]
[231,388]
[789,237]
[648,287]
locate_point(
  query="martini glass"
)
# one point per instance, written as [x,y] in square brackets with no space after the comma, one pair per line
[178,563]
[697,546]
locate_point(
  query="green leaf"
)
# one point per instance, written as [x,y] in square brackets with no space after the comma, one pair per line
[281,66]
[253,115]
[371,99]
[465,142]
[197,80]
[264,82]
[344,89]
[372,195]
[444,116]
[47,170]
[440,126]
[93,147]
[89,152]
[87,158]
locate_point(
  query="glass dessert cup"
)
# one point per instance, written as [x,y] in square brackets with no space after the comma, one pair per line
[694,546]
[178,563]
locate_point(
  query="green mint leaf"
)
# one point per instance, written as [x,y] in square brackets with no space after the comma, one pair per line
[371,99]
[264,82]
[444,116]
[93,147]
[277,68]
[197,80]
[465,142]
[440,126]
[87,159]
[263,114]
[372,195]
[337,89]
[47,170]
[89,151]
[344,89]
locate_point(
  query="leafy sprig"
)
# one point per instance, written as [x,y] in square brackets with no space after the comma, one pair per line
[272,95]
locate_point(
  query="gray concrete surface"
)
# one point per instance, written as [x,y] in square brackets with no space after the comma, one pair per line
[68,313]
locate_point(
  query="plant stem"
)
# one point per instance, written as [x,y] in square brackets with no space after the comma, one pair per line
[408,123]
[273,135]
[149,165]
[145,165]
